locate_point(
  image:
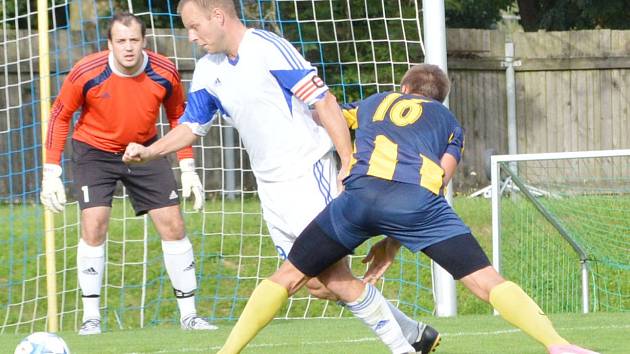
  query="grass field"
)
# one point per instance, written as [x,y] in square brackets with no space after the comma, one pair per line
[221,297]
[225,278]
[604,332]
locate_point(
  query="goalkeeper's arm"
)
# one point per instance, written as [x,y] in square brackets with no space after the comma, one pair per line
[191,182]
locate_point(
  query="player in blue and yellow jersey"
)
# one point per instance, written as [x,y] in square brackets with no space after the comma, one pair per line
[407,146]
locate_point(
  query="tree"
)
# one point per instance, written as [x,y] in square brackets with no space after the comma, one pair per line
[474,13]
[559,15]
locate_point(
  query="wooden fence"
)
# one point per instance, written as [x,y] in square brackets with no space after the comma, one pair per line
[572,93]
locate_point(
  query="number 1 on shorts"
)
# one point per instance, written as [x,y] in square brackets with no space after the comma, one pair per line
[86,195]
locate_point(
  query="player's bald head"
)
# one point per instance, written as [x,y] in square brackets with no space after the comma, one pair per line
[427,80]
[226,5]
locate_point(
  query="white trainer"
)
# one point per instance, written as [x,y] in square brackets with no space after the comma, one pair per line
[89,327]
[195,323]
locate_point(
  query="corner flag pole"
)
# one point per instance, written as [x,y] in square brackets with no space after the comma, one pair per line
[44,106]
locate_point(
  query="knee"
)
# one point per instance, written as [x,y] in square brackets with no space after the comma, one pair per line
[93,233]
[174,231]
[289,277]
[93,241]
[482,282]
[319,291]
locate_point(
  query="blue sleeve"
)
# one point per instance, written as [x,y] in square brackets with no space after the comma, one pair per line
[200,111]
[456,143]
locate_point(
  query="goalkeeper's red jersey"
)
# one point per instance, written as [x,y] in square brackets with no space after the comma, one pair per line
[115,109]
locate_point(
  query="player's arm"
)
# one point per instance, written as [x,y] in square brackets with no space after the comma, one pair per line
[310,89]
[176,139]
[349,112]
[195,122]
[453,153]
[449,165]
[53,195]
[296,74]
[333,121]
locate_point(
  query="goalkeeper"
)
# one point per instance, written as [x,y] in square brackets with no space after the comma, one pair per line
[119,92]
[264,87]
[407,148]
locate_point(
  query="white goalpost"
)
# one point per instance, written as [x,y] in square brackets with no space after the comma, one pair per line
[435,53]
[570,209]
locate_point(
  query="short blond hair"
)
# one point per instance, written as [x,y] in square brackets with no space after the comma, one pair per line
[226,5]
[427,80]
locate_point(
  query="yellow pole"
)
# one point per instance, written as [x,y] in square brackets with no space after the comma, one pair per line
[49,222]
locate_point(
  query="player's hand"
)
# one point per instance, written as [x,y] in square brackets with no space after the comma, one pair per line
[343,173]
[191,183]
[53,194]
[135,153]
[380,257]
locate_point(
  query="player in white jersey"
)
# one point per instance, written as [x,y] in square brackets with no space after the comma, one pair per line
[265,92]
[264,87]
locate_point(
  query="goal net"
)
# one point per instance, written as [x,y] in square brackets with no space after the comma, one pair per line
[561,228]
[359,46]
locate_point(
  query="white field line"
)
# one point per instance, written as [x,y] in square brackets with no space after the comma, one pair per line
[374,339]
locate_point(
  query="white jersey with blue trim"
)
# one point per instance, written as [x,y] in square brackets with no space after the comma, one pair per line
[265,92]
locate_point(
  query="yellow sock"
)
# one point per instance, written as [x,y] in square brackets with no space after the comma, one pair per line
[265,301]
[516,307]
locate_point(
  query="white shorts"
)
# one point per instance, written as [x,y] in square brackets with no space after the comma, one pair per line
[289,206]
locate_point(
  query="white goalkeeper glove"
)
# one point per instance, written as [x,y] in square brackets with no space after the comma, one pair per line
[53,195]
[191,183]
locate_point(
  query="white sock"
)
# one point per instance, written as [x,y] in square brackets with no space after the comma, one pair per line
[410,328]
[371,307]
[180,266]
[90,267]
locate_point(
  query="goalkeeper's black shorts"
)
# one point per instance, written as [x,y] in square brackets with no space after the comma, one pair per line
[96,173]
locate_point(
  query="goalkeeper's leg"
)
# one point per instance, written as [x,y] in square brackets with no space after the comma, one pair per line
[91,265]
[179,261]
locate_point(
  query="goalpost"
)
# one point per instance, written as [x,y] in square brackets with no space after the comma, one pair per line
[560,227]
[359,46]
